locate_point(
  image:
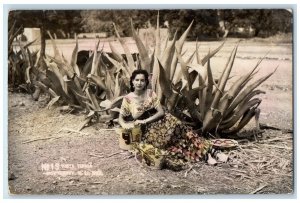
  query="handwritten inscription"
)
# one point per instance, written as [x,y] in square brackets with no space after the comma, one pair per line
[67,169]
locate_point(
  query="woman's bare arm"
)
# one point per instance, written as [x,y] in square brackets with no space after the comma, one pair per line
[124,124]
[160,113]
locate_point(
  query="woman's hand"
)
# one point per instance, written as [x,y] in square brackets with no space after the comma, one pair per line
[140,122]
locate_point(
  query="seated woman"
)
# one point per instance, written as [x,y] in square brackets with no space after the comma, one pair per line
[161,130]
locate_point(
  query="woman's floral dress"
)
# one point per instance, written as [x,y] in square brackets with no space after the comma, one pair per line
[168,133]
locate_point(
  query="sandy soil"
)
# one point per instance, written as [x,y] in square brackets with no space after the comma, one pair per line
[48,156]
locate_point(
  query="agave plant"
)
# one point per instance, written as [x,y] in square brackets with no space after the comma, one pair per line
[189,90]
[83,88]
[185,89]
[19,60]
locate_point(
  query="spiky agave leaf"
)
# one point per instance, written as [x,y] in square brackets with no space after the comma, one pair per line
[197,52]
[96,59]
[118,65]
[190,104]
[228,97]
[145,60]
[31,65]
[191,58]
[24,54]
[164,56]
[29,43]
[55,49]
[164,82]
[238,113]
[30,59]
[248,115]
[126,50]
[116,55]
[23,60]
[55,85]
[110,84]
[76,90]
[207,92]
[184,69]
[157,38]
[250,96]
[117,89]
[12,35]
[157,54]
[168,55]
[201,97]
[54,68]
[213,115]
[202,70]
[93,99]
[46,89]
[152,59]
[74,58]
[247,91]
[38,55]
[179,45]
[210,54]
[24,47]
[80,96]
[87,120]
[224,78]
[11,31]
[69,69]
[87,67]
[115,103]
[243,102]
[97,80]
[52,102]
[165,43]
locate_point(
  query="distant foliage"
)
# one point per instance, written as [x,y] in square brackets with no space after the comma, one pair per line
[101,20]
[208,22]
[265,22]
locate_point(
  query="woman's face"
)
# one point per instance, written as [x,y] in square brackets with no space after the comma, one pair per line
[139,82]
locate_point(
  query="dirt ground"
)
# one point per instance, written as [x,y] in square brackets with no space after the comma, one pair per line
[47,155]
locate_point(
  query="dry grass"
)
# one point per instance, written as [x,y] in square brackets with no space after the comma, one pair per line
[265,162]
[263,166]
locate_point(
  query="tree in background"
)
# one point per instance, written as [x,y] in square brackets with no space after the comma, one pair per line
[61,21]
[265,22]
[102,20]
[207,22]
[46,20]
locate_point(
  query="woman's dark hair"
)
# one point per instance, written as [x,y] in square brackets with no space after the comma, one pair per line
[135,73]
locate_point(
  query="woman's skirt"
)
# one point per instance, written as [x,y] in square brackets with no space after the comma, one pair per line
[180,142]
